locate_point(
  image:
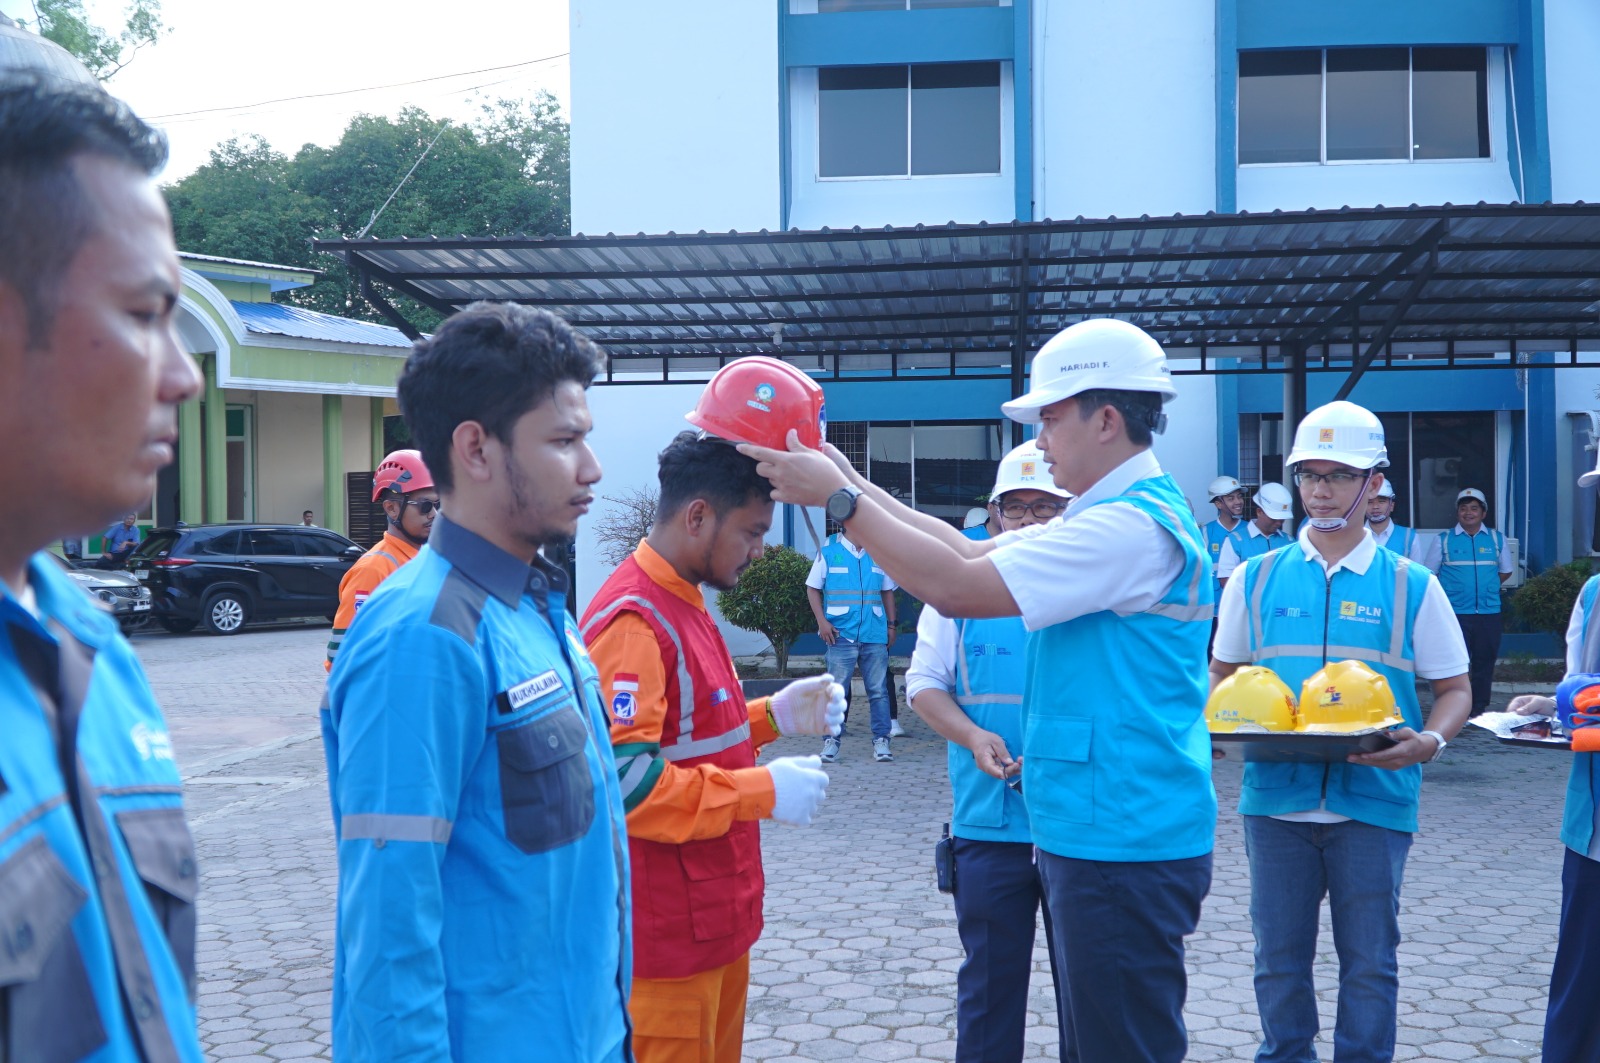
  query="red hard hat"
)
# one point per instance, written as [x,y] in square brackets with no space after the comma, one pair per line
[757,400]
[403,471]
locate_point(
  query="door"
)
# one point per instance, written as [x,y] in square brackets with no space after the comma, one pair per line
[280,572]
[325,566]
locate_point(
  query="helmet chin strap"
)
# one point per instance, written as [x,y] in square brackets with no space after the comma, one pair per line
[1333,524]
[1378,520]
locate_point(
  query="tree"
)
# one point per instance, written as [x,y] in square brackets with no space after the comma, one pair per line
[770,598]
[501,175]
[66,23]
[619,531]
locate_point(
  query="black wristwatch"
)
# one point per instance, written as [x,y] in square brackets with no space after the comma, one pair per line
[842,503]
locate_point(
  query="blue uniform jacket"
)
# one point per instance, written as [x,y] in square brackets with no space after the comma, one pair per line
[483,876]
[97,921]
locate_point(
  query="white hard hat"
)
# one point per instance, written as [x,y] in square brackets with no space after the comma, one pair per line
[1101,353]
[1223,485]
[1386,489]
[1343,432]
[1274,499]
[1472,494]
[1025,466]
[974,517]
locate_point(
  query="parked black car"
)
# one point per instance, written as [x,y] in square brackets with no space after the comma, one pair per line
[226,575]
[116,592]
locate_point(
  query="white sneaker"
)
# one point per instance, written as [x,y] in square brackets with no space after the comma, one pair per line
[880,750]
[830,750]
[895,730]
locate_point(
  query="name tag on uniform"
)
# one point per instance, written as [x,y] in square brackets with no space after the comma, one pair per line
[837,568]
[524,694]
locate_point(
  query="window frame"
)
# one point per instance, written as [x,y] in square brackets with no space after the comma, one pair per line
[1001,117]
[1411,117]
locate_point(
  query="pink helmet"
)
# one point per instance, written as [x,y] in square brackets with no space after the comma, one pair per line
[401,471]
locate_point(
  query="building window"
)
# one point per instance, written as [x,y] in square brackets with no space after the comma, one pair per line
[905,121]
[1363,105]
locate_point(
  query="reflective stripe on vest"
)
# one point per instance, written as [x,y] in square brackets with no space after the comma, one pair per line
[1193,609]
[1394,658]
[687,746]
[965,695]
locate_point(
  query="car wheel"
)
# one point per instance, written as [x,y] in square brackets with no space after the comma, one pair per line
[177,626]
[225,613]
[133,623]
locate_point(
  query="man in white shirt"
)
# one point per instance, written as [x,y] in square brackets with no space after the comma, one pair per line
[1338,830]
[1118,595]
[1263,534]
[853,602]
[1389,535]
[1471,561]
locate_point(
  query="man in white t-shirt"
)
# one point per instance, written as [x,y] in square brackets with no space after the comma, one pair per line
[1338,830]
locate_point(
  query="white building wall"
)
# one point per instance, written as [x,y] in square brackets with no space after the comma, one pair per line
[1572,87]
[674,116]
[1188,448]
[1124,108]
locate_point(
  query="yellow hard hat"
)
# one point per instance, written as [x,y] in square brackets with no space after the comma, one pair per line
[1346,696]
[1251,699]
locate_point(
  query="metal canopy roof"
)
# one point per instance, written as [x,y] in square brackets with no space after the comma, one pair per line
[1413,287]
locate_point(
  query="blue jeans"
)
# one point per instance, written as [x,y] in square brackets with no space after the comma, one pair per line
[873,657]
[997,901]
[1359,868]
[1118,932]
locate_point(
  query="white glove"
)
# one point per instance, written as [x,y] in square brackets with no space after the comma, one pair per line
[1532,705]
[812,706]
[798,785]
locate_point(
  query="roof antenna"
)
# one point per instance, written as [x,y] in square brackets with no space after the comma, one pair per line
[443,125]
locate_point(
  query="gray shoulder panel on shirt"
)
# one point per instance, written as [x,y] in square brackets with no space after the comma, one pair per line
[459,607]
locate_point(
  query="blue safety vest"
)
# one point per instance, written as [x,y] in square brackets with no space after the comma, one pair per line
[1117,759]
[852,594]
[1578,825]
[990,675]
[483,907]
[1400,540]
[1301,619]
[97,916]
[1469,570]
[977,534]
[1216,535]
[1246,546]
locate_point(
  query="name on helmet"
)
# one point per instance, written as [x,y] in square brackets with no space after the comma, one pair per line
[1077,366]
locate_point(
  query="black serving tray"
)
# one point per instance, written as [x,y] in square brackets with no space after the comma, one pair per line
[1286,747]
[1537,743]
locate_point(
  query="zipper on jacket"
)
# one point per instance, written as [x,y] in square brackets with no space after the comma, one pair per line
[1327,620]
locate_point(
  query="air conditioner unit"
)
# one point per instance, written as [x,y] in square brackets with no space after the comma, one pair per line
[1518,574]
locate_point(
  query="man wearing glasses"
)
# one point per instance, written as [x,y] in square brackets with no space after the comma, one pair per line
[966,681]
[405,488]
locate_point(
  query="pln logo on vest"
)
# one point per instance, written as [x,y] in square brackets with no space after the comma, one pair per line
[1361,614]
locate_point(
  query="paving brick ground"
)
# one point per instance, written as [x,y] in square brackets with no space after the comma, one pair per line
[859,957]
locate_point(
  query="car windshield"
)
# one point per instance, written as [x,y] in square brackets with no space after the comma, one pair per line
[158,544]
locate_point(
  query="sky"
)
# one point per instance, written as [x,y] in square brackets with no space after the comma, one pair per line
[239,65]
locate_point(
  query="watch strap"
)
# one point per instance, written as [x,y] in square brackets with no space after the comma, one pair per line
[1439,738]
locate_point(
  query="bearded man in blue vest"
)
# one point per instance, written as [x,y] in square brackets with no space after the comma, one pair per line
[1340,831]
[1118,788]
[966,680]
[1572,1022]
[1471,561]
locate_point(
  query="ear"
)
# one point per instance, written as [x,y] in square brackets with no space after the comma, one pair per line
[1109,427]
[698,517]
[1373,485]
[474,453]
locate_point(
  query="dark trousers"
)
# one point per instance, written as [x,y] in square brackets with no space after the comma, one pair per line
[1482,634]
[997,902]
[1119,930]
[1572,1023]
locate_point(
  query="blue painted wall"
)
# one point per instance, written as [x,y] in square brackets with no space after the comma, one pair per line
[915,400]
[1445,390]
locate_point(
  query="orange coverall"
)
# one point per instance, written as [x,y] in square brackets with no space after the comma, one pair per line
[375,566]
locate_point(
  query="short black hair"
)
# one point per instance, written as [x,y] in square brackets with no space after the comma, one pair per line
[490,363]
[1141,410]
[692,467]
[45,217]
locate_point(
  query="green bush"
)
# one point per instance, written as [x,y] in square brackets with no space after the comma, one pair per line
[770,598]
[1544,603]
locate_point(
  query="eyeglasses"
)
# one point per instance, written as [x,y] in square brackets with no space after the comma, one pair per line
[1332,479]
[425,505]
[1018,510]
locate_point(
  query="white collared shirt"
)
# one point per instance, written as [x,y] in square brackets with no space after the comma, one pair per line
[1092,557]
[933,661]
[1440,652]
[1433,555]
[817,578]
[1419,543]
[1229,559]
